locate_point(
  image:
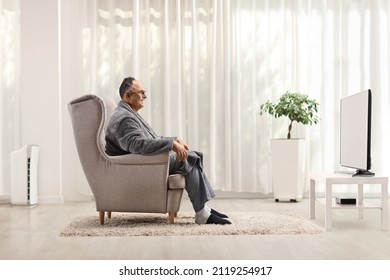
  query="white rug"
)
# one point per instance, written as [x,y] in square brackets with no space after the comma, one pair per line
[140,224]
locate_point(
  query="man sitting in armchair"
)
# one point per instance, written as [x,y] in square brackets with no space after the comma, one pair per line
[127,132]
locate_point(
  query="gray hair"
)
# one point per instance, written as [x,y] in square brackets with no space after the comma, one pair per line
[126,85]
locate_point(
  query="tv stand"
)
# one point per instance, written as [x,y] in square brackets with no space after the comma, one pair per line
[332,179]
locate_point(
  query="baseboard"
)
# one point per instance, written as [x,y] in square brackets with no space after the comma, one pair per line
[51,199]
[5,199]
[79,198]
[241,195]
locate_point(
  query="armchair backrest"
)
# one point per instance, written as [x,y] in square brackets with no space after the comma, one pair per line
[88,115]
[108,108]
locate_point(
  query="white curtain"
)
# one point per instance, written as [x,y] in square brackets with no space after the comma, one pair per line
[9,87]
[208,65]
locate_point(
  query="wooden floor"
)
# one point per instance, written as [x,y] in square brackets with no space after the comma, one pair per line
[33,233]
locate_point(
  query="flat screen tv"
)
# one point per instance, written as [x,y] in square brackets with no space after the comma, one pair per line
[355,132]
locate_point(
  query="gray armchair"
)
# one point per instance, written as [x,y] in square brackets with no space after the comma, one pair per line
[127,183]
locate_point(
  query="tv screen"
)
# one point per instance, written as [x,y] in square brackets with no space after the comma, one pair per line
[355,132]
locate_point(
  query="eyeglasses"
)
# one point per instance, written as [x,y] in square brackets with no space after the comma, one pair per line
[142,92]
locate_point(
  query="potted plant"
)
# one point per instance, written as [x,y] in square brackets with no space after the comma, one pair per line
[288,154]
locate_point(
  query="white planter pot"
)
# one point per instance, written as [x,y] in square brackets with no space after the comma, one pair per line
[288,168]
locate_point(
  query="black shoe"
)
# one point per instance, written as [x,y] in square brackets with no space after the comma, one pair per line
[214,219]
[218,214]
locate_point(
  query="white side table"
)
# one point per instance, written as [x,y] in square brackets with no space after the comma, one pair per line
[330,179]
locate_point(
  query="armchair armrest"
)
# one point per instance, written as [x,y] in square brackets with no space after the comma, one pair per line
[176,182]
[135,159]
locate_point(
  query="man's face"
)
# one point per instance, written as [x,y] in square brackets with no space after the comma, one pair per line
[136,96]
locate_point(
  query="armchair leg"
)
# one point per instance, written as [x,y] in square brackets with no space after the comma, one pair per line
[101,217]
[172,217]
[108,214]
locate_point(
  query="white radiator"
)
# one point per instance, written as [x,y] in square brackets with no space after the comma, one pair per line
[24,176]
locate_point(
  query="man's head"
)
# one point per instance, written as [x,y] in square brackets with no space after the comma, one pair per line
[133,93]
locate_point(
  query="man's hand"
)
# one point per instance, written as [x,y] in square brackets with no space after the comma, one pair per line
[181,142]
[180,150]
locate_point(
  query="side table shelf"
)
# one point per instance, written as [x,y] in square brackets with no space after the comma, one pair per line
[364,205]
[330,179]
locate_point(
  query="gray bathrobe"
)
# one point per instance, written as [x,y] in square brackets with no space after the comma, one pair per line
[128,133]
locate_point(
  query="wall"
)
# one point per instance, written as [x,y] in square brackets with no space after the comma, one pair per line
[40,92]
